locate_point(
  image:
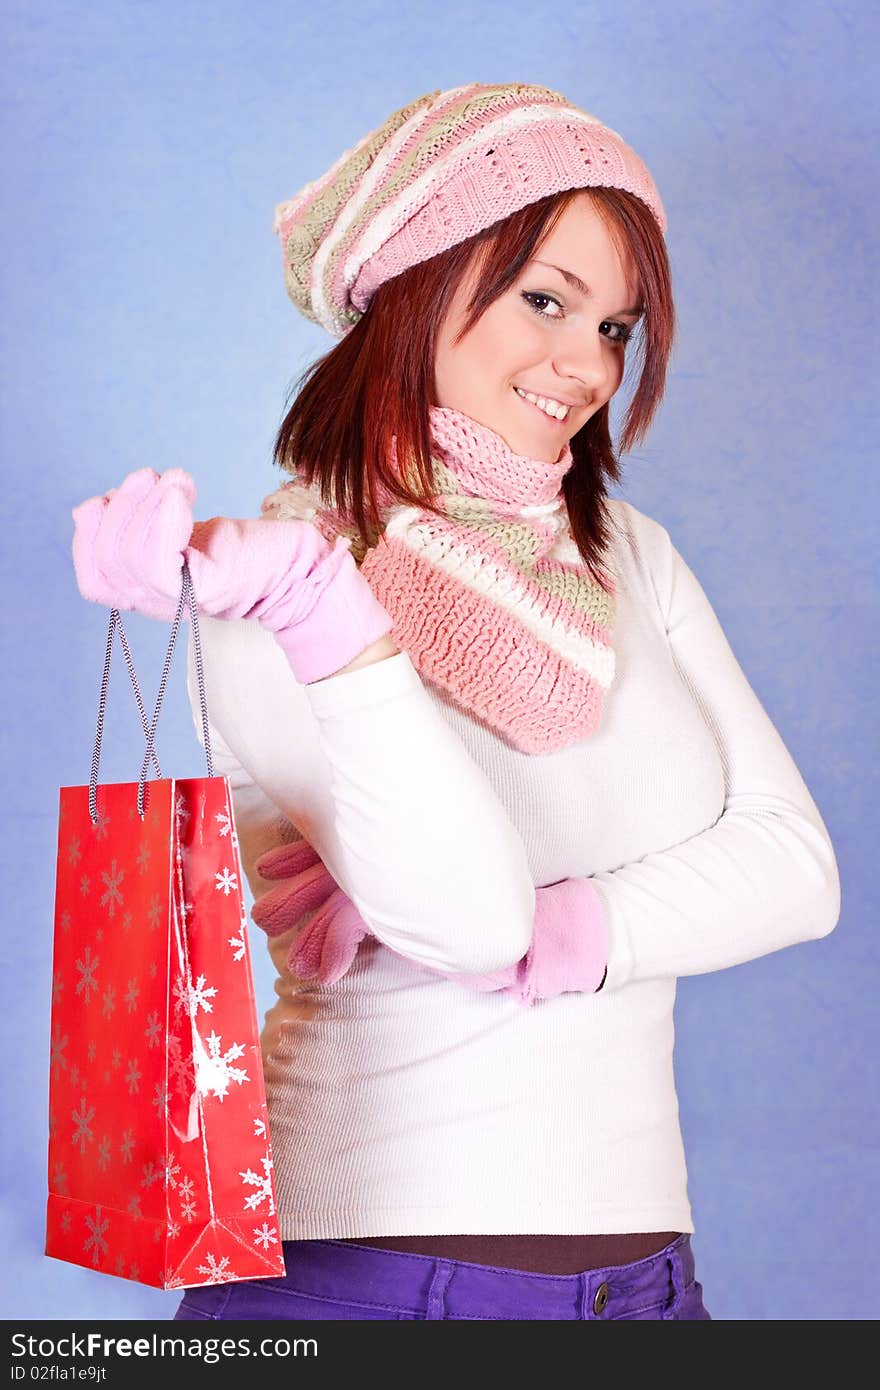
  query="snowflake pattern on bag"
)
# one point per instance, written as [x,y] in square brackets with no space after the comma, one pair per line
[159,1157]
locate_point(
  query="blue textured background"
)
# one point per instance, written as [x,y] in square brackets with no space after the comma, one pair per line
[145,322]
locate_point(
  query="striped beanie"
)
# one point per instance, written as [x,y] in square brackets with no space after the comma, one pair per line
[435,173]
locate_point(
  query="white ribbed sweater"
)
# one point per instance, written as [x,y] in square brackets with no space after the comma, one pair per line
[402,1103]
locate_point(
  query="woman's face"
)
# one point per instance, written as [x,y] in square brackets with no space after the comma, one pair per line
[545,335]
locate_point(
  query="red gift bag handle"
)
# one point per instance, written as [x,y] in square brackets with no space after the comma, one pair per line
[186,593]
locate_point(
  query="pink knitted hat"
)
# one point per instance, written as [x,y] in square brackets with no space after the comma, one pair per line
[433,174]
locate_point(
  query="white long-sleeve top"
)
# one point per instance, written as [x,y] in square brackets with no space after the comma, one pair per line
[404,1103]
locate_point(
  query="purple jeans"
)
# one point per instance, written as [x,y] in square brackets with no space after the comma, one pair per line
[343,1280]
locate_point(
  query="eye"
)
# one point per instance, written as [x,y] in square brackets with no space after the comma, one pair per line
[624,333]
[530,296]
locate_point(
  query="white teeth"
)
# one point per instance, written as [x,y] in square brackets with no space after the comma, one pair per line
[554,409]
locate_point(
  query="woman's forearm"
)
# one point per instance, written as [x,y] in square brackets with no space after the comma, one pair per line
[378,651]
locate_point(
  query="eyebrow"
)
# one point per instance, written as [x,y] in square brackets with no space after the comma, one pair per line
[578,284]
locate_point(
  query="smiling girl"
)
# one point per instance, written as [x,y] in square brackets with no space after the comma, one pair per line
[498,777]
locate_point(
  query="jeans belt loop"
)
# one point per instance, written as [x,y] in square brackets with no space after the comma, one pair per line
[443,1270]
[676,1275]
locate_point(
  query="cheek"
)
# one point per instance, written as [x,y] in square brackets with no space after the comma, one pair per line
[508,343]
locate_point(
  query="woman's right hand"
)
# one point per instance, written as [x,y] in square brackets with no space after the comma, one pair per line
[128,551]
[128,545]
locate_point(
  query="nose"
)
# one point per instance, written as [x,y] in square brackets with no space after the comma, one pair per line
[589,365]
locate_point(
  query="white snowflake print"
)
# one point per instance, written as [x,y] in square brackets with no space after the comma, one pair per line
[160,1098]
[214,1070]
[92,1050]
[227,826]
[259,1128]
[180,1066]
[181,994]
[99,934]
[126,921]
[82,1117]
[117,1059]
[134,1271]
[170,1170]
[239,943]
[180,810]
[109,1001]
[154,912]
[172,1230]
[104,1153]
[185,1189]
[74,1075]
[57,987]
[264,1236]
[119,1267]
[133,1077]
[152,970]
[143,859]
[263,1186]
[126,1146]
[74,853]
[217,1272]
[188,1210]
[194,997]
[226,881]
[85,884]
[65,920]
[131,997]
[59,1178]
[57,1058]
[134,1207]
[100,826]
[112,897]
[96,1240]
[87,967]
[153,1030]
[65,1222]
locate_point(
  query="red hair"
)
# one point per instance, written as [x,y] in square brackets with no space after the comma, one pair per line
[378,381]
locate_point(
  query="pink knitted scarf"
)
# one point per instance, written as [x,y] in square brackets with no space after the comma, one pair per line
[491,600]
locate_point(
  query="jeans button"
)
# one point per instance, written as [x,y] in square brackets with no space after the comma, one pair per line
[601,1300]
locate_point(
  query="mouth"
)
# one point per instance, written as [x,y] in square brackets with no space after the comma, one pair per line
[557,420]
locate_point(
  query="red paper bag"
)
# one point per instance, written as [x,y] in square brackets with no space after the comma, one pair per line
[160,1166]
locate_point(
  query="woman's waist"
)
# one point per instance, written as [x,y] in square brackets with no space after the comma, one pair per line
[539,1254]
[446,1054]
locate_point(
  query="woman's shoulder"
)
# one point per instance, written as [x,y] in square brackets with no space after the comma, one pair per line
[635,529]
[637,537]
[641,553]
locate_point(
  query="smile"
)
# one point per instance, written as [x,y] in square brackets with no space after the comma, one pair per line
[553,410]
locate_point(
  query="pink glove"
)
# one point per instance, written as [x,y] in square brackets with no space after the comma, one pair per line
[328,945]
[128,552]
[567,952]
